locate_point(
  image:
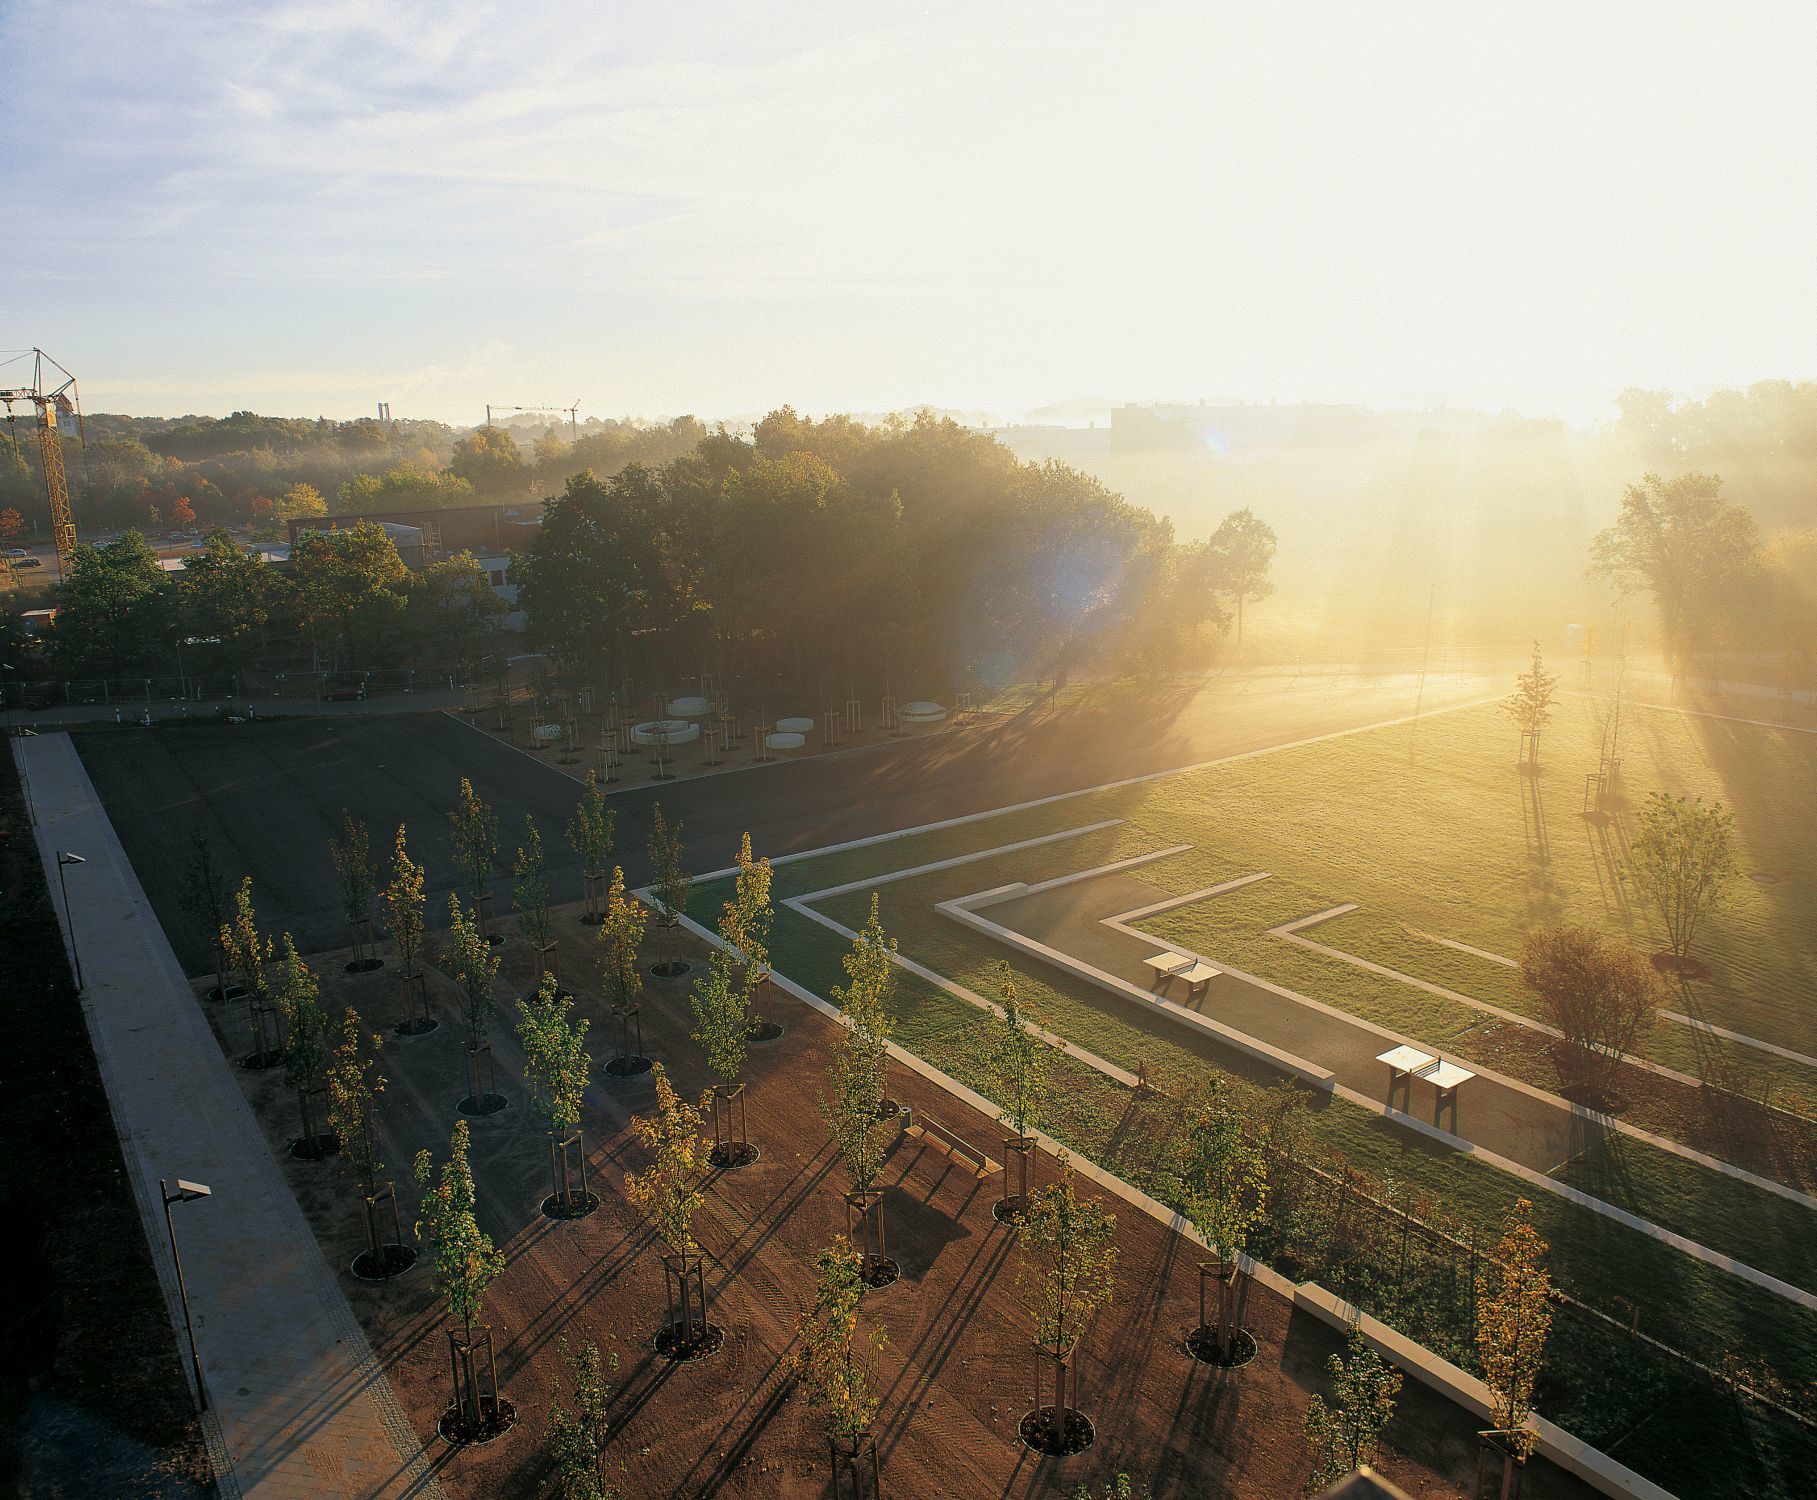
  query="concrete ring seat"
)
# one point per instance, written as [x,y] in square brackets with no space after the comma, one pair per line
[796,725]
[548,734]
[923,712]
[674,731]
[786,740]
[688,708]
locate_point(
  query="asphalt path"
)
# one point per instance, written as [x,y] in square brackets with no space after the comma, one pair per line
[269,795]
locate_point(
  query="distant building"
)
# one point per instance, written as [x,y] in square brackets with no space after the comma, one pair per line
[37,621]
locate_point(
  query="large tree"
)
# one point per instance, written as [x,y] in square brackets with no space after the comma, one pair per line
[351,586]
[114,611]
[488,458]
[1243,547]
[1683,860]
[226,602]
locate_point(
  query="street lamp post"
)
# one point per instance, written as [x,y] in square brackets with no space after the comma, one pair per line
[64,860]
[187,1192]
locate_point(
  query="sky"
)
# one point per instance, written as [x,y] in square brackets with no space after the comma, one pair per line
[717,208]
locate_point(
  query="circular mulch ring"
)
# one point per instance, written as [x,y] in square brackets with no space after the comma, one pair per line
[627,1067]
[1685,967]
[579,1205]
[880,1271]
[673,969]
[415,1028]
[392,1261]
[731,1158]
[888,1109]
[478,1109]
[1202,1345]
[589,921]
[707,1340]
[1008,1212]
[362,965]
[764,1031]
[494,1424]
[494,939]
[257,1062]
[1041,1435]
[326,1144]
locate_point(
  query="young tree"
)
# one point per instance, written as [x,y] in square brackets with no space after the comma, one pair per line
[354,1087]
[475,831]
[855,1109]
[670,884]
[465,1265]
[746,925]
[1343,1434]
[352,856]
[1513,1319]
[1683,859]
[621,935]
[475,966]
[722,1028]
[530,895]
[299,1000]
[1243,547]
[1531,706]
[1065,1272]
[590,836]
[208,899]
[668,1193]
[1224,1193]
[1017,1060]
[577,1437]
[249,955]
[555,1068]
[868,999]
[404,916]
[838,1369]
[1602,995]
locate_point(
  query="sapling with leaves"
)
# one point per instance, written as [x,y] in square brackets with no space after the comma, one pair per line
[577,1435]
[352,856]
[555,1068]
[299,1001]
[854,1107]
[474,827]
[1223,1191]
[722,1028]
[1530,705]
[249,955]
[1343,1433]
[1065,1273]
[668,1194]
[621,935]
[466,1264]
[590,836]
[207,898]
[837,1367]
[405,906]
[474,966]
[1513,1322]
[669,884]
[354,1086]
[746,925]
[530,895]
[1683,857]
[1017,1059]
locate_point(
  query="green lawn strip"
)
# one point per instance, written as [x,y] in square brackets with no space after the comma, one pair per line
[1698,1307]
[1234,928]
[1383,940]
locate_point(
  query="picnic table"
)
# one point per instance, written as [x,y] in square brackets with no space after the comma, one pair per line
[1196,973]
[1408,1063]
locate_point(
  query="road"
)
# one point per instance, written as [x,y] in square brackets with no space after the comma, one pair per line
[269,795]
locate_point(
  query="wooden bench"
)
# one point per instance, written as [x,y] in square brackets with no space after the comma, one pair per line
[924,1127]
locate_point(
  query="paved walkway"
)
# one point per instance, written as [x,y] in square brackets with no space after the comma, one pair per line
[302,1406]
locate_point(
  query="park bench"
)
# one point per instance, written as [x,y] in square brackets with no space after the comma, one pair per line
[924,1127]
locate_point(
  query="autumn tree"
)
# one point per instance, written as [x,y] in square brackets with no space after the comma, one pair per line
[207,899]
[1344,1432]
[746,925]
[1223,1182]
[1602,995]
[621,935]
[352,856]
[837,1368]
[475,966]
[354,1086]
[1683,858]
[555,1069]
[299,1001]
[249,955]
[466,1264]
[590,836]
[1530,706]
[578,1433]
[530,895]
[668,1194]
[1017,1059]
[1513,1321]
[854,1107]
[405,909]
[1065,1272]
[722,1028]
[669,884]
[474,827]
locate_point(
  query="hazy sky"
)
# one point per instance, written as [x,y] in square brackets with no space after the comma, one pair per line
[717,208]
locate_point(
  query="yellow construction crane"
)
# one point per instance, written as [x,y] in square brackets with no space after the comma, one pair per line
[50,400]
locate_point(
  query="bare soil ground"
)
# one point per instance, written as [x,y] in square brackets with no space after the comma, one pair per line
[957,1371]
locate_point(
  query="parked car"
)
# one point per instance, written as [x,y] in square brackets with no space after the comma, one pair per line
[17,552]
[28,562]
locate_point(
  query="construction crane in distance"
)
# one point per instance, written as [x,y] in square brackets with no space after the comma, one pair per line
[573,421]
[50,399]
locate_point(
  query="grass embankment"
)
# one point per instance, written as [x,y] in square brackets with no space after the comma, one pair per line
[93,1398]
